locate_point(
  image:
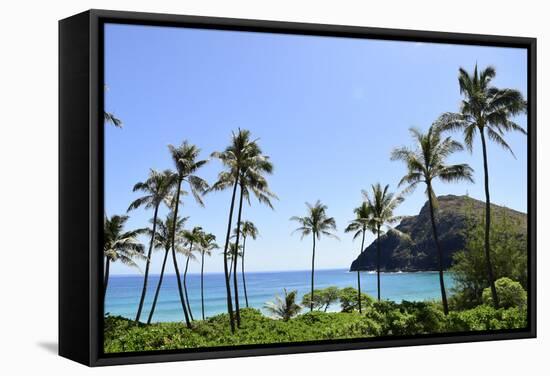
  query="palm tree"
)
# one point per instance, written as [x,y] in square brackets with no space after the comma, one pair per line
[315,223]
[231,255]
[156,189]
[112,119]
[363,221]
[163,240]
[248,229]
[207,245]
[191,238]
[119,245]
[284,309]
[109,117]
[245,165]
[185,158]
[425,164]
[487,110]
[381,204]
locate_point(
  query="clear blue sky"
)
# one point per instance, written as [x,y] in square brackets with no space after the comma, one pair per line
[328,111]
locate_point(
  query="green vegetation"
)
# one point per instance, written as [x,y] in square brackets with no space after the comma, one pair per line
[245,167]
[483,249]
[119,245]
[156,188]
[508,253]
[380,319]
[487,110]
[381,205]
[425,164]
[323,299]
[362,223]
[315,223]
[286,308]
[510,294]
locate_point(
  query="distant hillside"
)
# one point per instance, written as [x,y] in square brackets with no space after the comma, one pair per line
[418,252]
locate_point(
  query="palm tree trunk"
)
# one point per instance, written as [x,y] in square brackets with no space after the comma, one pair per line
[235,259]
[439,252]
[242,271]
[488,224]
[147,264]
[154,305]
[359,275]
[312,274]
[106,279]
[185,286]
[378,261]
[202,284]
[225,270]
[176,269]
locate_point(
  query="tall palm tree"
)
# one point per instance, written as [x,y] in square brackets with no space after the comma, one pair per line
[191,238]
[163,240]
[426,163]
[248,229]
[156,189]
[362,223]
[487,110]
[251,180]
[381,204]
[315,223]
[207,245]
[244,165]
[187,164]
[119,245]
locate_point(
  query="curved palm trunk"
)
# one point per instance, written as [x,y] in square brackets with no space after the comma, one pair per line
[106,279]
[147,265]
[154,305]
[185,286]
[439,253]
[242,271]
[202,284]
[176,269]
[488,224]
[235,259]
[312,274]
[378,261]
[225,270]
[359,276]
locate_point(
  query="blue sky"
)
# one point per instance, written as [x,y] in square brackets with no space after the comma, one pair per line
[327,110]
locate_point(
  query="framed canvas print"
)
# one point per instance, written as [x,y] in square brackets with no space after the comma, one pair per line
[239,187]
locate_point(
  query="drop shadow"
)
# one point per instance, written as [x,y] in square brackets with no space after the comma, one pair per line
[50,347]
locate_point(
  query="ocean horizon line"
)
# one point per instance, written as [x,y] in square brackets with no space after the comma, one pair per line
[278,271]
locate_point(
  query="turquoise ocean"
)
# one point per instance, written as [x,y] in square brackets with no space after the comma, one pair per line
[124,290]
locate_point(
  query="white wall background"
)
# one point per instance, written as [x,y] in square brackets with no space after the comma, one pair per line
[28,185]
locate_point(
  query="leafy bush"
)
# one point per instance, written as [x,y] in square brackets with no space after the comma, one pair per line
[322,298]
[510,294]
[508,255]
[383,318]
[349,301]
[485,317]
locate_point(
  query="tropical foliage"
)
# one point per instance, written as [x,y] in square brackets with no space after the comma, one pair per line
[381,203]
[316,223]
[490,273]
[425,164]
[489,111]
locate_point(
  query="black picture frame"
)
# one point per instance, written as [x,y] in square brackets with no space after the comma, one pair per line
[81,183]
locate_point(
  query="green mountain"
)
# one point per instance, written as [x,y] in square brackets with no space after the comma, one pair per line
[417,251]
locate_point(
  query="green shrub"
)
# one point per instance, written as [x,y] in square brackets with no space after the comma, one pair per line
[485,317]
[349,301]
[510,294]
[322,298]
